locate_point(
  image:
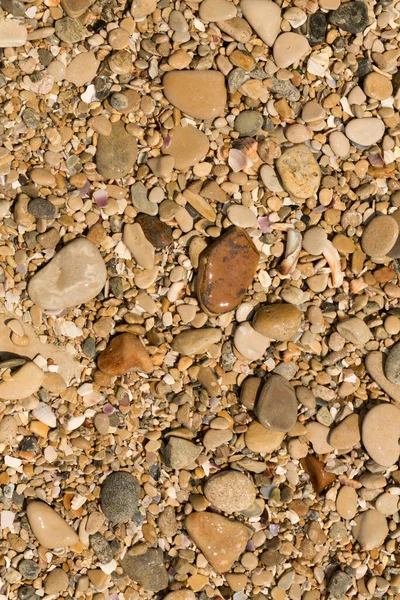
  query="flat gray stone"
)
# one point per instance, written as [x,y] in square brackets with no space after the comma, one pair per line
[116,153]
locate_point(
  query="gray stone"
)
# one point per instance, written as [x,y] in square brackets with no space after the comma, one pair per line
[339,584]
[140,200]
[119,497]
[27,592]
[236,78]
[167,521]
[28,569]
[276,406]
[392,364]
[286,89]
[70,30]
[101,547]
[116,153]
[42,209]
[14,7]
[180,453]
[248,123]
[89,347]
[116,287]
[119,101]
[350,16]
[148,569]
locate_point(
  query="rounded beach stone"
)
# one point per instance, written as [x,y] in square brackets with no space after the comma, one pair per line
[392,364]
[265,18]
[355,331]
[42,209]
[8,430]
[289,48]
[379,236]
[119,497]
[350,16]
[276,405]
[346,502]
[346,434]
[370,529]
[217,10]
[380,434]
[56,582]
[365,131]
[314,240]
[377,86]
[200,94]
[278,321]
[49,527]
[248,123]
[188,146]
[262,440]
[339,144]
[230,491]
[116,152]
[75,275]
[299,171]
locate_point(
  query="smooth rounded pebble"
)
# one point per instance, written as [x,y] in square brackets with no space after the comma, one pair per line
[200,94]
[314,240]
[346,502]
[277,321]
[380,434]
[370,529]
[365,131]
[392,364]
[49,527]
[339,144]
[119,497]
[230,491]
[355,331]
[346,434]
[260,439]
[265,18]
[379,236]
[250,343]
[289,48]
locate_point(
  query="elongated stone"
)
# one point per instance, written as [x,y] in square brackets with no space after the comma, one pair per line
[299,171]
[116,153]
[226,269]
[26,381]
[380,434]
[49,527]
[276,405]
[196,341]
[200,94]
[221,540]
[370,529]
[75,275]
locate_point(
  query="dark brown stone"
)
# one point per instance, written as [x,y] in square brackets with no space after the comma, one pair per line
[158,233]
[320,478]
[226,269]
[124,353]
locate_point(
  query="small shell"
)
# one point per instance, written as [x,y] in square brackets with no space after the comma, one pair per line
[248,146]
[332,257]
[292,252]
[44,414]
[238,160]
[74,422]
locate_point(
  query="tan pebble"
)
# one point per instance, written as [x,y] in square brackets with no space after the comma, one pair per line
[379,236]
[196,341]
[377,86]
[16,327]
[99,579]
[53,382]
[241,216]
[339,143]
[355,331]
[392,325]
[56,582]
[387,503]
[82,69]
[260,439]
[265,18]
[346,502]
[49,527]
[8,430]
[217,10]
[24,382]
[142,8]
[380,434]
[370,529]
[94,522]
[297,133]
[289,48]
[365,131]
[188,146]
[200,94]
[299,171]
[100,124]
[346,434]
[118,38]
[230,491]
[139,246]
[250,343]
[317,434]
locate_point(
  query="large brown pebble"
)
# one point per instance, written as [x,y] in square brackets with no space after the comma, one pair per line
[278,321]
[346,434]
[379,236]
[320,478]
[276,406]
[380,434]
[249,392]
[56,582]
[124,353]
[226,269]
[230,491]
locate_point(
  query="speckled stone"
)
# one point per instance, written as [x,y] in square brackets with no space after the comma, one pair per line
[119,497]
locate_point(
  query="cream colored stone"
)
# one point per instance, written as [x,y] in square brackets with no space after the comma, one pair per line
[139,246]
[346,502]
[380,434]
[49,527]
[289,48]
[365,131]
[26,381]
[370,529]
[217,10]
[264,17]
[200,94]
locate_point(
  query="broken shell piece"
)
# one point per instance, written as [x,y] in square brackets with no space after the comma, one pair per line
[332,257]
[238,160]
[292,252]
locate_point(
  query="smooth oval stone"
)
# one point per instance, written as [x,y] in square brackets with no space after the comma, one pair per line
[138,245]
[217,10]
[318,436]
[124,353]
[181,454]
[264,17]
[315,240]
[289,48]
[230,491]
[82,69]
[299,171]
[147,569]
[387,503]
[49,527]
[278,321]
[346,502]
[56,582]
[339,143]
[200,94]
[260,439]
[158,233]
[8,430]
[392,364]
[196,341]
[370,529]
[350,16]
[119,496]
[276,405]
[365,131]
[355,331]
[251,344]
[12,34]
[75,275]
[380,434]
[346,434]
[226,269]
[188,146]
[25,382]
[379,236]
[221,540]
[116,153]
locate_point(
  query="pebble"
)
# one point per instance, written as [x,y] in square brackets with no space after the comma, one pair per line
[320,478]
[196,341]
[116,153]
[249,391]
[277,321]
[355,331]
[28,569]
[147,569]
[365,131]
[49,527]
[42,209]
[392,364]
[181,453]
[199,94]
[339,144]
[339,583]
[82,69]
[221,540]
[74,276]
[265,18]
[217,10]
[226,270]
[346,502]
[289,48]
[124,353]
[379,236]
[237,28]
[250,343]
[188,146]
[12,34]
[56,582]
[351,17]
[377,86]
[230,491]
[101,548]
[142,8]
[260,439]
[158,233]
[119,497]
[299,171]
[70,30]
[276,406]
[318,434]
[8,430]
[140,200]
[248,123]
[380,434]
[75,8]
[370,529]
[138,245]
[374,363]
[387,503]
[25,381]
[346,435]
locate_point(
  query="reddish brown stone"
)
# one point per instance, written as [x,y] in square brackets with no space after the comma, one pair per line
[226,269]
[124,353]
[158,233]
[320,478]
